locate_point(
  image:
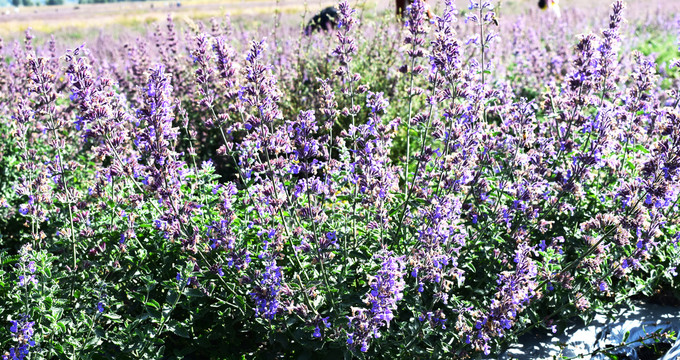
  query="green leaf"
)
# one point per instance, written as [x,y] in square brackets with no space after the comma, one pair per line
[112,316]
[94,342]
[191,292]
[178,329]
[137,296]
[48,302]
[156,314]
[154,304]
[172,297]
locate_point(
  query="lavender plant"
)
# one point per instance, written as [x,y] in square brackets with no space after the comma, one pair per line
[382,190]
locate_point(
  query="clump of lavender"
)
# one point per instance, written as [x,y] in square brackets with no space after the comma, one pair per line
[445,57]
[222,234]
[22,333]
[581,81]
[563,159]
[22,328]
[225,65]
[26,267]
[344,52]
[376,177]
[608,50]
[203,58]
[416,29]
[481,13]
[4,76]
[156,136]
[346,44]
[515,291]
[267,291]
[386,290]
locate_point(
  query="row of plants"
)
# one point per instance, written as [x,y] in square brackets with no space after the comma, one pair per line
[432,188]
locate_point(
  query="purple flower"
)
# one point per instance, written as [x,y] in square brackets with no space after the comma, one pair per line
[346,44]
[266,291]
[26,267]
[22,332]
[515,292]
[386,290]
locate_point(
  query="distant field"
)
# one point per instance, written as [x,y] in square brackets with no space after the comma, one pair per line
[92,16]
[87,20]
[73,20]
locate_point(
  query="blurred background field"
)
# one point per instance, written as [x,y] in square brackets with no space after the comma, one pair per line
[74,20]
[82,18]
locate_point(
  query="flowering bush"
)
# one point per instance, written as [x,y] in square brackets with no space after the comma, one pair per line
[420,190]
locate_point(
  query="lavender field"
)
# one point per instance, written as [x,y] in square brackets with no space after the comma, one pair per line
[416,188]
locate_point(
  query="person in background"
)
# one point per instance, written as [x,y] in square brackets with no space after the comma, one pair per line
[323,21]
[550,5]
[401,8]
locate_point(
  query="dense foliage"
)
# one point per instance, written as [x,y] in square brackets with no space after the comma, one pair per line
[380,190]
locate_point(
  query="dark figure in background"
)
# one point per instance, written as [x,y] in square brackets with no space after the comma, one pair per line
[325,20]
[401,8]
[550,4]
